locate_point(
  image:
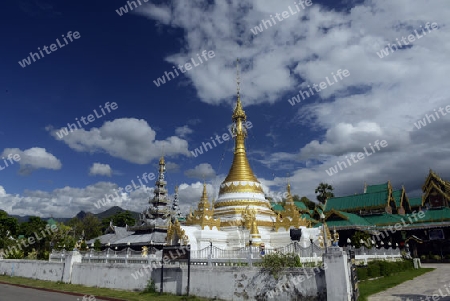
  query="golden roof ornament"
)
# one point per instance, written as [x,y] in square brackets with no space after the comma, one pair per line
[203,216]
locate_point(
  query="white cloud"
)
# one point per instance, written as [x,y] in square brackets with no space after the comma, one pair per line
[33,158]
[183,131]
[68,201]
[127,138]
[190,194]
[100,169]
[381,99]
[201,171]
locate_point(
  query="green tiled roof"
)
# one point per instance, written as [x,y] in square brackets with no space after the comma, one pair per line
[415,202]
[397,194]
[358,201]
[436,215]
[385,219]
[344,219]
[377,188]
[301,205]
[277,207]
[308,217]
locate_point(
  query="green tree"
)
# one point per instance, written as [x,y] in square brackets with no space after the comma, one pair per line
[8,227]
[34,239]
[364,236]
[324,191]
[62,236]
[91,226]
[97,245]
[308,203]
[120,219]
[76,227]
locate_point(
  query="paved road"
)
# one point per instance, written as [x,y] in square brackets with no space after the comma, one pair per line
[433,286]
[15,293]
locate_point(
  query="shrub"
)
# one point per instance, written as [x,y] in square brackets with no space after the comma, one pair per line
[383,268]
[362,273]
[275,262]
[151,287]
[373,269]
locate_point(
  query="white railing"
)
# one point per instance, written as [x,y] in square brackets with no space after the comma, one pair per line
[215,256]
[110,256]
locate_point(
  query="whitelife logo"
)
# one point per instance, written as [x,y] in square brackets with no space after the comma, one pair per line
[423,122]
[225,137]
[334,170]
[411,38]
[187,66]
[124,9]
[284,15]
[16,158]
[27,61]
[323,85]
[90,118]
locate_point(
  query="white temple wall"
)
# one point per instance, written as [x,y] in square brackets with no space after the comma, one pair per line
[244,283]
[228,283]
[35,269]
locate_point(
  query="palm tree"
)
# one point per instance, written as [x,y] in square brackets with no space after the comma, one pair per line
[325,192]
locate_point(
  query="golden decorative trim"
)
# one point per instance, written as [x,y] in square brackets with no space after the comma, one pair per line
[240,223]
[291,215]
[174,231]
[240,188]
[241,203]
[240,210]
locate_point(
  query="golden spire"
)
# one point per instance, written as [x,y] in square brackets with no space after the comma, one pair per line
[289,189]
[204,203]
[240,169]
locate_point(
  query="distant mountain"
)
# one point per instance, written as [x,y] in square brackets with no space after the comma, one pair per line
[113,210]
[23,219]
[80,215]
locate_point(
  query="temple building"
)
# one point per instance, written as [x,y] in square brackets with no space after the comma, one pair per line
[151,228]
[241,215]
[423,223]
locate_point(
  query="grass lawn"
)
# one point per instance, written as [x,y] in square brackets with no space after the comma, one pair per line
[97,292]
[370,287]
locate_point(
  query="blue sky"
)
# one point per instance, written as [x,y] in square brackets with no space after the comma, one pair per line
[117,58]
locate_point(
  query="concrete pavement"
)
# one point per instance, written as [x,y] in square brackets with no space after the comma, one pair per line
[432,286]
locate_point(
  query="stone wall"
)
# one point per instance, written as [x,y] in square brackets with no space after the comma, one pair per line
[109,275]
[36,269]
[225,283]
